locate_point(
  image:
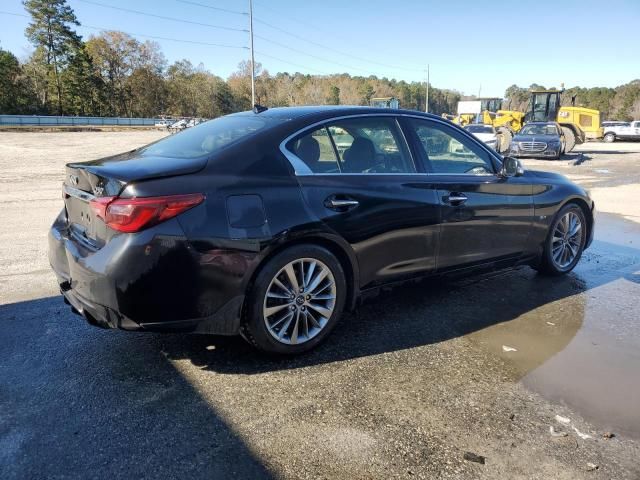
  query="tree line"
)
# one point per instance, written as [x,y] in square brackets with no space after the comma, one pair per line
[114,74]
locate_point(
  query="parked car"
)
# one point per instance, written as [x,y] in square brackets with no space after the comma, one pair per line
[256,224]
[484,133]
[538,139]
[163,123]
[178,126]
[626,131]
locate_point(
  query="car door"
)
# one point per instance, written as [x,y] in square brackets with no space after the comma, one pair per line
[359,178]
[484,217]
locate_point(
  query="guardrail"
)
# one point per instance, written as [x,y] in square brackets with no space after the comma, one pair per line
[53,121]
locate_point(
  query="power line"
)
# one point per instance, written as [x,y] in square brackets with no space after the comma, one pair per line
[335,50]
[212,7]
[93,27]
[322,59]
[299,37]
[173,19]
[315,27]
[291,63]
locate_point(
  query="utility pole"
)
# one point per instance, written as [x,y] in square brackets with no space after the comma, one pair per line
[426,103]
[253,64]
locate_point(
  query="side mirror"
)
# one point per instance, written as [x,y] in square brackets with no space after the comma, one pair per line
[511,167]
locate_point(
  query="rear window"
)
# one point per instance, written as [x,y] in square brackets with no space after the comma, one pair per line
[206,138]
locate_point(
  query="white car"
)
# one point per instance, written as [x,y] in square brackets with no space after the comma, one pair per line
[178,126]
[163,123]
[484,133]
[621,131]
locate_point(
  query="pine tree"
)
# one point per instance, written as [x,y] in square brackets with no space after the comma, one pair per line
[50,29]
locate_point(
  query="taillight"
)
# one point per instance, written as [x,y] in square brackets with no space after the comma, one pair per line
[134,214]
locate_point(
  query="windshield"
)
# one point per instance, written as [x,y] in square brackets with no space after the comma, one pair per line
[539,130]
[205,138]
[479,129]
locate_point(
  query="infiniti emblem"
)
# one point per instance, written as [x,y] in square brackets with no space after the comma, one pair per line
[74,179]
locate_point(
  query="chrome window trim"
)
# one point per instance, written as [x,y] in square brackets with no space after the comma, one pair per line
[302,169]
[76,193]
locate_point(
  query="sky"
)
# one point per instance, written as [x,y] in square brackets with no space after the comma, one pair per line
[470,46]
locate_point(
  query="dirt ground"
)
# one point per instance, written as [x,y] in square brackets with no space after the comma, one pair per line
[527,372]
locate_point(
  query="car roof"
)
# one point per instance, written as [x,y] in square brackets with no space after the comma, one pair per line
[543,123]
[327,111]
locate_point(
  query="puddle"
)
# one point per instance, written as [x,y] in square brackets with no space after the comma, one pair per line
[583,348]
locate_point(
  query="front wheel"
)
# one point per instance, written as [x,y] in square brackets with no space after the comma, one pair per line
[296,300]
[565,241]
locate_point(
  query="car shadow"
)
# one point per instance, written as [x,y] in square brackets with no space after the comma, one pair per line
[80,402]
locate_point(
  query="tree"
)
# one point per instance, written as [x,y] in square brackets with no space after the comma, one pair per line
[334,95]
[84,88]
[16,93]
[50,30]
[366,92]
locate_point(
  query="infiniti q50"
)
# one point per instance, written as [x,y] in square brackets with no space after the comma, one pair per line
[270,224]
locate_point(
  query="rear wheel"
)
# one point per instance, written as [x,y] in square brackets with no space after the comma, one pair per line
[610,137]
[570,139]
[296,300]
[565,241]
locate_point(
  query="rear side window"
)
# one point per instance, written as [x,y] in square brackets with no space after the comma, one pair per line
[206,138]
[316,151]
[365,145]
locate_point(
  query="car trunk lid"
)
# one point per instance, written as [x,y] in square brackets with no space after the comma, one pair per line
[90,181]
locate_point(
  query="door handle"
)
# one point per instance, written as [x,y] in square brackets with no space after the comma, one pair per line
[455,198]
[340,204]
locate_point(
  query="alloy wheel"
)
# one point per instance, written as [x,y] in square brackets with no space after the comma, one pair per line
[567,240]
[299,301]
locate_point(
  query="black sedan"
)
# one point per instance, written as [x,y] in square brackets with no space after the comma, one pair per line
[538,139]
[271,224]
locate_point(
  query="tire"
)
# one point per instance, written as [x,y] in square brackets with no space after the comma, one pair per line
[505,139]
[610,137]
[553,264]
[570,139]
[288,322]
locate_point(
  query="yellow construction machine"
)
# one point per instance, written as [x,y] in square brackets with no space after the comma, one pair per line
[578,123]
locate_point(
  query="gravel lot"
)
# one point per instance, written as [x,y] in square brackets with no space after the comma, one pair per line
[403,388]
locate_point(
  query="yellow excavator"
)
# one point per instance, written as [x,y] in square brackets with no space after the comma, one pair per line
[578,123]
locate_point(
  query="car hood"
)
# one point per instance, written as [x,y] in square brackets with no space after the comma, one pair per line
[536,138]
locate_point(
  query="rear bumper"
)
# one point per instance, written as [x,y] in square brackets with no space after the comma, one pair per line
[153,280]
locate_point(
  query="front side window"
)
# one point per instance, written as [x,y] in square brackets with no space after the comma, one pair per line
[448,152]
[364,145]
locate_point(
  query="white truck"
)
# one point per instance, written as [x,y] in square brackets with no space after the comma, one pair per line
[626,131]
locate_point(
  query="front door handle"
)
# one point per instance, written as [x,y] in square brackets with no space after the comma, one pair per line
[340,204]
[455,198]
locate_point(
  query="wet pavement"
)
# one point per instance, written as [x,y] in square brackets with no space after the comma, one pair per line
[404,387]
[583,350]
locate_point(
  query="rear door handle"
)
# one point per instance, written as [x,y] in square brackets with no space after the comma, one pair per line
[340,204]
[455,198]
